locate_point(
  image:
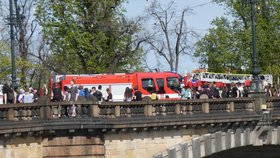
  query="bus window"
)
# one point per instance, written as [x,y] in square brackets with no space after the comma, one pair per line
[160,83]
[173,83]
[148,84]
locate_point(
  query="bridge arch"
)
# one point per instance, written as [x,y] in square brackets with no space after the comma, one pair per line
[208,144]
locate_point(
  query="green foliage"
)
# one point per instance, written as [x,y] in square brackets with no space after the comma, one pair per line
[228,45]
[88,36]
[220,51]
[5,62]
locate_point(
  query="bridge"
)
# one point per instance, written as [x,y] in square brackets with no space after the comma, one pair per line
[159,129]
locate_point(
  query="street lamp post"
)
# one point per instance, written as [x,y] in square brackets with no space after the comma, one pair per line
[256,85]
[12,23]
[257,90]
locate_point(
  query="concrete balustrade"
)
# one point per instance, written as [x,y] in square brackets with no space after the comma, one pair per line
[48,110]
[199,127]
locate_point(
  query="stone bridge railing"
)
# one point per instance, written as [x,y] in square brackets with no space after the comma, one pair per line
[97,129]
[109,111]
[50,110]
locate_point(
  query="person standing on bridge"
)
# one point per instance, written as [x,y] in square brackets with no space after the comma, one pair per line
[73,91]
[56,93]
[128,94]
[6,89]
[186,93]
[99,94]
[21,96]
[235,91]
[44,90]
[109,95]
[137,94]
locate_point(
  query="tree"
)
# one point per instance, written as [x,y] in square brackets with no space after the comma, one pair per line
[88,36]
[5,62]
[169,38]
[234,37]
[219,50]
[24,31]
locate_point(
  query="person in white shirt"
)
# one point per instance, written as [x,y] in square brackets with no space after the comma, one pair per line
[21,96]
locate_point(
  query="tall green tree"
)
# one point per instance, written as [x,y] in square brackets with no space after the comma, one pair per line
[228,45]
[88,36]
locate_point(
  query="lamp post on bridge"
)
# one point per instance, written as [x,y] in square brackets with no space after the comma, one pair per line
[257,90]
[256,84]
[12,23]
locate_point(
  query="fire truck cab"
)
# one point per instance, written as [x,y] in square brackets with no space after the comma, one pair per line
[164,84]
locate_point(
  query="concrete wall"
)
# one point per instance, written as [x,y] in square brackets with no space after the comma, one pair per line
[28,147]
[144,143]
[60,146]
[77,146]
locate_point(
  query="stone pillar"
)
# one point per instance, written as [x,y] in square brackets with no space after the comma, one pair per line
[196,148]
[208,144]
[163,110]
[247,137]
[205,106]
[230,107]
[218,142]
[237,137]
[128,111]
[172,153]
[117,111]
[45,112]
[260,99]
[184,150]
[148,110]
[278,135]
[184,109]
[94,111]
[177,109]
[228,139]
[11,114]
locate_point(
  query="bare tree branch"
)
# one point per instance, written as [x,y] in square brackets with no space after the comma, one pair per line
[169,37]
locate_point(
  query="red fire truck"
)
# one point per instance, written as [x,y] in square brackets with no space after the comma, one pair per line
[196,78]
[166,84]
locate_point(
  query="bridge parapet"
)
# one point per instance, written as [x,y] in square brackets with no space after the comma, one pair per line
[273,103]
[111,119]
[51,110]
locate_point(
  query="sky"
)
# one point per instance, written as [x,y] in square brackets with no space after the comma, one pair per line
[203,12]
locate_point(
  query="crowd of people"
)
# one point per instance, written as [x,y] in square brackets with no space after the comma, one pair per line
[79,93]
[76,93]
[233,90]
[14,95]
[71,93]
